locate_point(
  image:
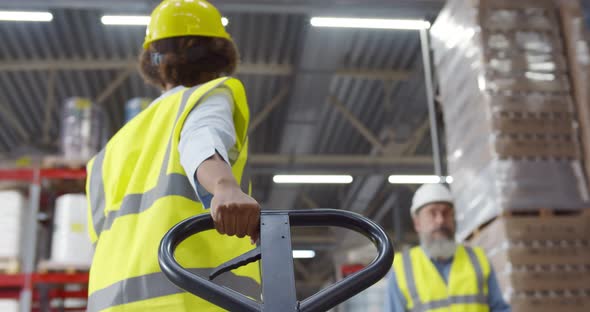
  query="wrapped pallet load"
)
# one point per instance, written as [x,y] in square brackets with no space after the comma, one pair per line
[84,129]
[12,206]
[577,41]
[9,305]
[70,243]
[514,146]
[511,123]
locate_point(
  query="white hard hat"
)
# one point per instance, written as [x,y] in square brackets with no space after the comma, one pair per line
[430,193]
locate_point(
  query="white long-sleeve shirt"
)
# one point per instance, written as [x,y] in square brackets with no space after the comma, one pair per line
[209,128]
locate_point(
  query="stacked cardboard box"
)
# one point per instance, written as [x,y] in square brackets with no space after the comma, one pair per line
[514,146]
[540,262]
[511,123]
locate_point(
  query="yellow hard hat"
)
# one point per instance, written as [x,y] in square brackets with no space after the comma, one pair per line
[176,18]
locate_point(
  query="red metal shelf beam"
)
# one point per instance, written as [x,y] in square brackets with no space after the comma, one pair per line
[16,174]
[12,280]
[12,284]
[52,174]
[66,174]
[18,280]
[59,309]
[61,278]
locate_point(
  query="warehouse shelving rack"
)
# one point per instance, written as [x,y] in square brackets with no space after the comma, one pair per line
[23,285]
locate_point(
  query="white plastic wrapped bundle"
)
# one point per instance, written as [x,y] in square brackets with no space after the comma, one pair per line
[9,305]
[514,185]
[12,206]
[70,244]
[577,41]
[84,129]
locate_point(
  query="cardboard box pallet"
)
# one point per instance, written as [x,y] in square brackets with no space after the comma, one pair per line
[481,107]
[541,252]
[509,122]
[520,145]
[538,251]
[541,224]
[536,145]
[536,278]
[578,301]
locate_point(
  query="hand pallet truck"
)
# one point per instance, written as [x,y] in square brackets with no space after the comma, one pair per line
[275,254]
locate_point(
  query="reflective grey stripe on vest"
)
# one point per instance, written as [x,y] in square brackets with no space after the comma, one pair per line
[96,192]
[437,304]
[170,185]
[245,183]
[157,285]
[477,267]
[409,272]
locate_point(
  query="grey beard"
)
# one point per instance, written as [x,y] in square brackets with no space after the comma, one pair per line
[441,248]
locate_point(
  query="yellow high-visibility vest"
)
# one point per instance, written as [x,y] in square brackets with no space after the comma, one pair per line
[425,290]
[137,190]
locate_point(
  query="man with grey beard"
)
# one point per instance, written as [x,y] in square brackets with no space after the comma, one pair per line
[441,275]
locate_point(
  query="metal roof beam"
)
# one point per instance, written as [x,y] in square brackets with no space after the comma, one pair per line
[356,123]
[356,165]
[336,160]
[268,108]
[113,86]
[244,69]
[11,119]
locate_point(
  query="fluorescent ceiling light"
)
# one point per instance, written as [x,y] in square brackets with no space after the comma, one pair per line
[139,20]
[303,254]
[369,23]
[21,16]
[311,179]
[418,179]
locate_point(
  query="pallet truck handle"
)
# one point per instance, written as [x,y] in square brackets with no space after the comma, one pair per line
[321,301]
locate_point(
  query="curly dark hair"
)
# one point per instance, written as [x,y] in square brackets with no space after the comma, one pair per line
[187,61]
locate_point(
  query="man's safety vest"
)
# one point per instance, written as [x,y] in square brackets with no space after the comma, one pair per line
[138,190]
[425,290]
